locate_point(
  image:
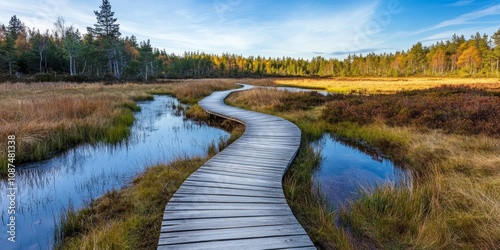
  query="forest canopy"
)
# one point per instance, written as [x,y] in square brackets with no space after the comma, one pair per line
[103,53]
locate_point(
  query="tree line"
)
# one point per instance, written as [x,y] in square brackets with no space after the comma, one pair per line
[102,53]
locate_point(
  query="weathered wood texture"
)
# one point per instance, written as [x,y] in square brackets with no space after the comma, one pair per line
[235,200]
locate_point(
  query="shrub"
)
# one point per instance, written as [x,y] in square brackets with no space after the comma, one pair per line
[461,110]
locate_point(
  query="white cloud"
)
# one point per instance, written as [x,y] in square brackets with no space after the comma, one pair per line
[42,14]
[462,3]
[446,35]
[493,10]
[292,34]
[180,26]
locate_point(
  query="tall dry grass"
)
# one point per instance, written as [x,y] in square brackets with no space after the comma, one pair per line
[46,124]
[192,91]
[50,117]
[131,218]
[382,85]
[453,201]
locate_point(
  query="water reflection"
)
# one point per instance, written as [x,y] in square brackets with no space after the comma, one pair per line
[344,169]
[295,89]
[160,134]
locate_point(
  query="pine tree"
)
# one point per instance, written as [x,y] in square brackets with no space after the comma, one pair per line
[496,51]
[496,38]
[108,32]
[106,26]
[15,27]
[9,53]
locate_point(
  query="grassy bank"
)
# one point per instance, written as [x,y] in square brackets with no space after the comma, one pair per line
[454,198]
[453,201]
[377,85]
[130,218]
[49,117]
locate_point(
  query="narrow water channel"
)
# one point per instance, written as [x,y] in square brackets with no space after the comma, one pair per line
[86,172]
[345,169]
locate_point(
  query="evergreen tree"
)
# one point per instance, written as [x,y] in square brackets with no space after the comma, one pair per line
[106,26]
[496,51]
[9,53]
[3,33]
[496,38]
[107,31]
[146,59]
[15,27]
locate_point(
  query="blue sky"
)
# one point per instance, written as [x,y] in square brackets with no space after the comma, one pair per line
[300,29]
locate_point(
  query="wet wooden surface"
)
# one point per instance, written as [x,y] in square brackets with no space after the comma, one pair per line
[235,200]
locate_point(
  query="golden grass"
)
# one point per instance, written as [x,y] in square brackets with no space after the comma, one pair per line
[47,122]
[129,218]
[383,85]
[453,201]
[49,117]
[193,90]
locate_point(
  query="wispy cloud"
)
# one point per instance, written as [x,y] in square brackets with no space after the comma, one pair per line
[293,32]
[359,51]
[493,10]
[42,14]
[462,3]
[278,28]
[446,35]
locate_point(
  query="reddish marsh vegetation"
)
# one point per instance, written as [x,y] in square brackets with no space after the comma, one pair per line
[447,136]
[461,110]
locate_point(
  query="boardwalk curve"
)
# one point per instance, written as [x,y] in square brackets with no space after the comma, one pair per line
[235,200]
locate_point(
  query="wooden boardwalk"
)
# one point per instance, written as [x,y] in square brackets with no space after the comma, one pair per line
[235,200]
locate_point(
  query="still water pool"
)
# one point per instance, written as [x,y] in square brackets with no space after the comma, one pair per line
[86,172]
[345,169]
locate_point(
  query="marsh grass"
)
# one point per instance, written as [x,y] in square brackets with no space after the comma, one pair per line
[131,218]
[194,90]
[308,204]
[452,202]
[377,85]
[47,124]
[47,118]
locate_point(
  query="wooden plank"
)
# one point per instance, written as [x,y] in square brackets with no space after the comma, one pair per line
[259,176]
[176,225]
[228,191]
[249,162]
[222,213]
[243,169]
[237,186]
[203,198]
[231,179]
[230,234]
[235,200]
[283,242]
[181,207]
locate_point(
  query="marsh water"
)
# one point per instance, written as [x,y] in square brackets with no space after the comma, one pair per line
[159,135]
[345,169]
